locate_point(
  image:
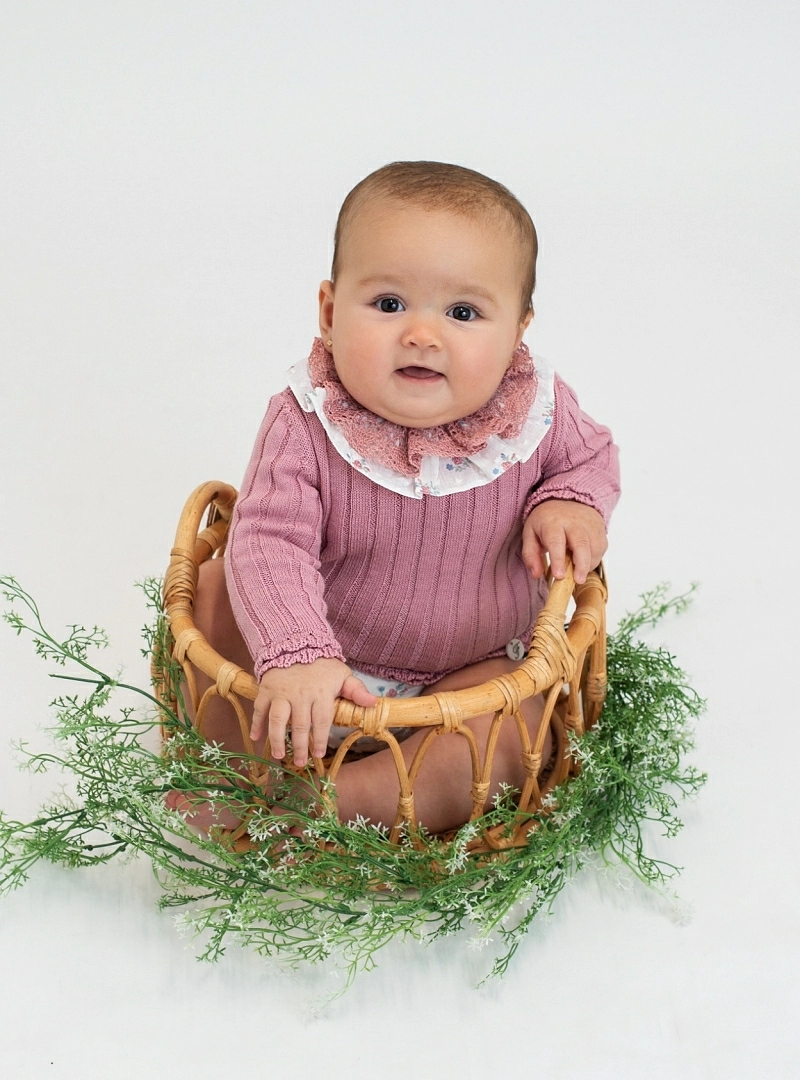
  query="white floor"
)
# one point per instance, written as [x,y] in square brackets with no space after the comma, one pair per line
[171,174]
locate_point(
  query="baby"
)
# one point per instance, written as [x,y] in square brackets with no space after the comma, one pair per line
[390,533]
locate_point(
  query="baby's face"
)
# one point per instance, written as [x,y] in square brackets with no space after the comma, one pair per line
[425,316]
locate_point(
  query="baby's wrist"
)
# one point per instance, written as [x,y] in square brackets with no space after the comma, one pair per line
[306,656]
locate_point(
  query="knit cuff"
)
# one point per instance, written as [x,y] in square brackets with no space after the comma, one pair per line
[294,651]
[569,495]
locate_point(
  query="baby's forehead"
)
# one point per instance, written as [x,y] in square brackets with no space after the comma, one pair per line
[490,216]
[371,238]
[366,227]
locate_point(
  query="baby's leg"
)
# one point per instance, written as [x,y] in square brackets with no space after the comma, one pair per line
[368,786]
[442,797]
[214,618]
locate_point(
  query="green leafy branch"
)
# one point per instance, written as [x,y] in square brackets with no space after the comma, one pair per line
[342,890]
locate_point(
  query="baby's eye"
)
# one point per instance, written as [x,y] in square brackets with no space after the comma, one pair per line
[389,304]
[463,313]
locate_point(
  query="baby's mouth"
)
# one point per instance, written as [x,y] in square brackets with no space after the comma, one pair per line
[421,373]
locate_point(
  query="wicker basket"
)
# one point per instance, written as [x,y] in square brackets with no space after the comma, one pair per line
[566,664]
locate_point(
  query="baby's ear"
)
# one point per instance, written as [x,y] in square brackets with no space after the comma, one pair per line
[523,326]
[325,309]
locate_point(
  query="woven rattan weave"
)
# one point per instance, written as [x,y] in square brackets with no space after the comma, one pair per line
[566,664]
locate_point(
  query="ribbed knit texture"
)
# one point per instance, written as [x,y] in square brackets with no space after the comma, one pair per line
[322,561]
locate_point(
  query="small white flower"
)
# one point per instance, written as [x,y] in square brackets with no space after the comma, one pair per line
[211,751]
[183,924]
[478,943]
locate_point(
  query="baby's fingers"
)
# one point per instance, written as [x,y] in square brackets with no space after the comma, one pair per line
[354,690]
[301,735]
[260,717]
[280,711]
[581,551]
[532,552]
[555,543]
[321,723]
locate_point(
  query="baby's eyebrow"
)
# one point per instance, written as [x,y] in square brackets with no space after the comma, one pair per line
[458,289]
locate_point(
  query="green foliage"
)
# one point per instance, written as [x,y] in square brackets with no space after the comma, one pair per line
[343,890]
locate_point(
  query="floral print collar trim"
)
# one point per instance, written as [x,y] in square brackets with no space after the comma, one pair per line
[403,448]
[465,454]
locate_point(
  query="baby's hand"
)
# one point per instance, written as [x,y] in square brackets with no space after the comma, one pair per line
[303,697]
[558,526]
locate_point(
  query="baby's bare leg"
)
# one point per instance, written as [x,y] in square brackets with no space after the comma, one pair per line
[370,786]
[213,617]
[442,797]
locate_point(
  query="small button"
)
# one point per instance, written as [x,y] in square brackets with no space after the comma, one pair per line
[515,650]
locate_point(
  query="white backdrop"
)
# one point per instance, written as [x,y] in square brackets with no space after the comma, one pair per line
[171,172]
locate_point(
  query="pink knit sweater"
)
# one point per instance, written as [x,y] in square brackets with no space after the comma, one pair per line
[322,561]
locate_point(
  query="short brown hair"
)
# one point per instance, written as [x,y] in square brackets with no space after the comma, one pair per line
[436,185]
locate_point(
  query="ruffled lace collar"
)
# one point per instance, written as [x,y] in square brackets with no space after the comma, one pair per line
[402,448]
[437,460]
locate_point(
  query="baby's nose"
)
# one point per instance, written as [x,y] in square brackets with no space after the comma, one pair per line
[422,334]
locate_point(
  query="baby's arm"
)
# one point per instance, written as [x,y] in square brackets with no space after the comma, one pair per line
[303,697]
[276,591]
[567,511]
